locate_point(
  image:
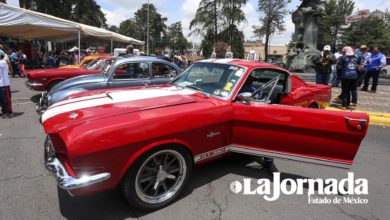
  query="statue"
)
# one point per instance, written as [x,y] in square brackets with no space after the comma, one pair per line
[304,41]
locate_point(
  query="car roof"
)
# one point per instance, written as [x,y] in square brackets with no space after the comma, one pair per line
[122,59]
[243,63]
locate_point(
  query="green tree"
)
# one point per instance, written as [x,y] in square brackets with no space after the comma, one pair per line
[61,9]
[82,11]
[88,12]
[271,19]
[113,28]
[157,27]
[175,37]
[370,31]
[236,38]
[330,25]
[232,12]
[130,28]
[206,19]
[217,21]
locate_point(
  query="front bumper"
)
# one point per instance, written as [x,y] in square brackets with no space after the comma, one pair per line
[64,179]
[43,104]
[34,85]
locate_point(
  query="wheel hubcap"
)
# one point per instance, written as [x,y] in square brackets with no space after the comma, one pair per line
[160,176]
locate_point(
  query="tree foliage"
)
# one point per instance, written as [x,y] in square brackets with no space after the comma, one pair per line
[271,19]
[161,36]
[175,37]
[82,11]
[217,21]
[330,25]
[370,31]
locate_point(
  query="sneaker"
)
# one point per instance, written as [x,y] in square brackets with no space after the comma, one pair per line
[372,91]
[337,99]
[9,115]
[364,90]
[354,104]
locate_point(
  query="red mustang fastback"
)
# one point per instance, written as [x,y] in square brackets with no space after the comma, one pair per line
[45,79]
[148,140]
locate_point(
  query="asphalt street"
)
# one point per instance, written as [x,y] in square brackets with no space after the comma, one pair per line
[27,191]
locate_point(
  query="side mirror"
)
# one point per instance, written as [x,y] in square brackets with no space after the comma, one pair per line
[244,97]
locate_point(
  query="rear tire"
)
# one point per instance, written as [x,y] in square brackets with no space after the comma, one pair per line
[157,178]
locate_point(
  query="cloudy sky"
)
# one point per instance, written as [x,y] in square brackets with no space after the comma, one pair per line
[184,10]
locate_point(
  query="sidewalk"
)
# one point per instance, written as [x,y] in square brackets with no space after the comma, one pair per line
[376,105]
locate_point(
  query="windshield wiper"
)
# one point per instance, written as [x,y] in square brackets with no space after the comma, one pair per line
[194,87]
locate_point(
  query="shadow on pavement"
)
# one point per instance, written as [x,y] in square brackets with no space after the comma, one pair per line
[36,98]
[111,204]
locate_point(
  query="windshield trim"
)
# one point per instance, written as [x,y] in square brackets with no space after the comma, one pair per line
[208,94]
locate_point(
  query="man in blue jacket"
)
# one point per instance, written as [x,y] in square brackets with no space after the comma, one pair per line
[375,64]
[348,64]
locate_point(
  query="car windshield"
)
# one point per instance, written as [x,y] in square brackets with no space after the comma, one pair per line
[211,78]
[92,65]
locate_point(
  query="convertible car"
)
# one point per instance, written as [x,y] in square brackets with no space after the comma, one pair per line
[148,140]
[122,72]
[46,79]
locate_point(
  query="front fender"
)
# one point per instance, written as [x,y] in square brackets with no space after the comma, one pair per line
[148,147]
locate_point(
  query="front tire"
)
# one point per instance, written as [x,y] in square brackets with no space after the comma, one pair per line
[157,178]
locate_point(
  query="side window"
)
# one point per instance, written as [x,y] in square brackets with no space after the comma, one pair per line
[161,70]
[265,85]
[129,71]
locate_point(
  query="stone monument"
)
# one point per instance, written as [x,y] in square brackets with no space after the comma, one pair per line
[304,41]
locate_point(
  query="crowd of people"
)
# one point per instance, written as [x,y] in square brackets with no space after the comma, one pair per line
[352,68]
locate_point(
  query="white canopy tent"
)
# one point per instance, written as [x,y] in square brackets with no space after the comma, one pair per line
[24,24]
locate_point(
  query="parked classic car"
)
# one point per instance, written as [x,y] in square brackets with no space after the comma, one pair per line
[86,60]
[123,72]
[148,140]
[46,79]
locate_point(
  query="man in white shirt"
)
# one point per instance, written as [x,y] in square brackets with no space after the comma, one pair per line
[5,92]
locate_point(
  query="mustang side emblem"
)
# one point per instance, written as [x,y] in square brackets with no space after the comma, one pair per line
[73,115]
[213,134]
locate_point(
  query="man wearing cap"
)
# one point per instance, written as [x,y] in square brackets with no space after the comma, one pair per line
[324,64]
[375,64]
[348,65]
[364,56]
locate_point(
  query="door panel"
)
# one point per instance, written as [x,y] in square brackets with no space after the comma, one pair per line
[309,135]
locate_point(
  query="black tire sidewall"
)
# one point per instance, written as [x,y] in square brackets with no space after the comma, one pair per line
[128,183]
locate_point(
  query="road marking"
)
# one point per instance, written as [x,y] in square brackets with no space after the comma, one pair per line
[376,118]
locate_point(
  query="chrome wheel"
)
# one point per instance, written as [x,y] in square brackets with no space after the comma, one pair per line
[160,176]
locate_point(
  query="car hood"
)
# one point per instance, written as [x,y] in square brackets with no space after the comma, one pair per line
[72,112]
[76,81]
[46,72]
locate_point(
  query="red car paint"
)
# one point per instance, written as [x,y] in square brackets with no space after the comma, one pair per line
[111,136]
[43,78]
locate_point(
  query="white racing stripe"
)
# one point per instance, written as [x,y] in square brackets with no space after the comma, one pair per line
[114,97]
[82,98]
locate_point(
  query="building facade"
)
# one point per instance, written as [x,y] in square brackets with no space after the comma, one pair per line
[275,53]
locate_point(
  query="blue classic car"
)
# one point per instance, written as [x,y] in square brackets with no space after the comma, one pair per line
[119,72]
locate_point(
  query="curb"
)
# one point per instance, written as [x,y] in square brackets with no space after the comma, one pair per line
[376,118]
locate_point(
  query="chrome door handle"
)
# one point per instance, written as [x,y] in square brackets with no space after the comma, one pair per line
[363,122]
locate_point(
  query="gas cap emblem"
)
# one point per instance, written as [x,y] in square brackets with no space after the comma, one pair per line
[73,115]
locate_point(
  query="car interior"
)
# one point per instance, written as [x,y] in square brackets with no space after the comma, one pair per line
[161,70]
[131,71]
[265,85]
